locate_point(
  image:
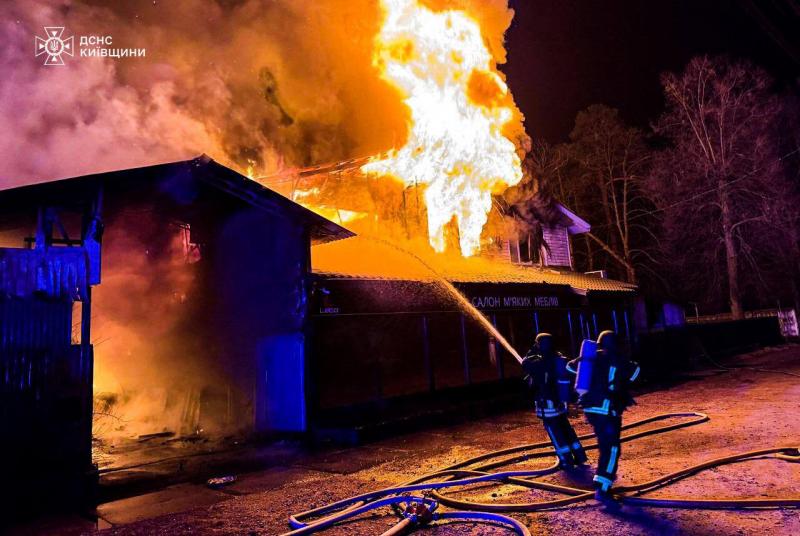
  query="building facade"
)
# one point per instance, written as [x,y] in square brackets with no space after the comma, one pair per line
[214,305]
[156,299]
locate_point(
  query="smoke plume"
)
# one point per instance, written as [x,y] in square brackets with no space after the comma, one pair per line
[256,84]
[265,84]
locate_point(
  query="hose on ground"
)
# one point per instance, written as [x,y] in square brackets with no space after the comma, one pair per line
[362,509]
[475,470]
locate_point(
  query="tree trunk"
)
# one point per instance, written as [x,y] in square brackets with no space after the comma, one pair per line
[589,256]
[731,258]
[630,269]
[605,201]
[631,274]
[795,271]
[795,295]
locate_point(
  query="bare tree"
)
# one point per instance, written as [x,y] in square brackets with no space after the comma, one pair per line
[611,160]
[781,252]
[529,206]
[720,174]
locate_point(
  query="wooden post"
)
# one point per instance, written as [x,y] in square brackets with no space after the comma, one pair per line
[496,347]
[465,351]
[426,352]
[87,366]
[571,333]
[627,326]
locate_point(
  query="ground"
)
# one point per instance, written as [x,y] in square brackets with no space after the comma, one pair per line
[749,410]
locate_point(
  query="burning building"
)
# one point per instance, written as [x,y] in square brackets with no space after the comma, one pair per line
[380,313]
[171,324]
[188,298]
[209,282]
[380,308]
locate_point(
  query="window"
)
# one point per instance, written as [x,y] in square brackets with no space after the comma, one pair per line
[523,250]
[191,250]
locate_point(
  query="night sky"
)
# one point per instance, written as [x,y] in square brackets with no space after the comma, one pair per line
[567,54]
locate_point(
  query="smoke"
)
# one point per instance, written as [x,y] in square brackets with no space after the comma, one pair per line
[265,84]
[261,84]
[148,373]
[79,118]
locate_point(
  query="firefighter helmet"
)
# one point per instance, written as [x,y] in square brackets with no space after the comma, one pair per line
[544,341]
[607,341]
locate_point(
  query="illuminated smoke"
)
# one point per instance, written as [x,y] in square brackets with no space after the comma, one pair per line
[259,84]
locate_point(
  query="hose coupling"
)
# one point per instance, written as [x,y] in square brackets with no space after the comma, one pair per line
[419,513]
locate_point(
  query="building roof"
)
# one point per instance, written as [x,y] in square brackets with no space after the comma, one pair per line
[202,169]
[579,225]
[376,258]
[289,179]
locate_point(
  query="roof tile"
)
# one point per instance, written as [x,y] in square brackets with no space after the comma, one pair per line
[376,258]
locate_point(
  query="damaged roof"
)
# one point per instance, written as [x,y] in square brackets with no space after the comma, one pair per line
[375,258]
[202,169]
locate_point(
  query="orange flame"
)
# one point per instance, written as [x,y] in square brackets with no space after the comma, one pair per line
[459,107]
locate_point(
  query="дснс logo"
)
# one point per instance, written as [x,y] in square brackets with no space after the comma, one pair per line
[54,46]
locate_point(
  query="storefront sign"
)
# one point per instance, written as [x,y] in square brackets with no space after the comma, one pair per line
[346,296]
[513,302]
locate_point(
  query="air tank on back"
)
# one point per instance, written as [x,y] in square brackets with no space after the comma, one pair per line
[586,362]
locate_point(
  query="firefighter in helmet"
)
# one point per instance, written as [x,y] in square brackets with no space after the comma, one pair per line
[546,373]
[603,377]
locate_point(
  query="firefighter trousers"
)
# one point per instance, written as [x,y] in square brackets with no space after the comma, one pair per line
[565,441]
[608,429]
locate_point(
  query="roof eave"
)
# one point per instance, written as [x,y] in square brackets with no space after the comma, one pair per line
[234,183]
[579,225]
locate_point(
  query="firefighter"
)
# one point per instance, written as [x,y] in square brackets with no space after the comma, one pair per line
[607,375]
[546,373]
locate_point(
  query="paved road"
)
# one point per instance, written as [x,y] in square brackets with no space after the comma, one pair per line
[748,410]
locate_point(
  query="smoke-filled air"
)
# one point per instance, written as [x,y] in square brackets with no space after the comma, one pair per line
[256,84]
[265,87]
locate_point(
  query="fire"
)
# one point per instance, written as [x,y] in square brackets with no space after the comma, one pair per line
[459,106]
[339,215]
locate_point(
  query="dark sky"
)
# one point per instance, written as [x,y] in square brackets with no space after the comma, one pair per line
[567,54]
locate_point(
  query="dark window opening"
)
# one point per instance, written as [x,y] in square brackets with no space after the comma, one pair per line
[524,250]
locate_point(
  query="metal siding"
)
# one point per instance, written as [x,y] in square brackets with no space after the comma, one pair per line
[45,395]
[53,272]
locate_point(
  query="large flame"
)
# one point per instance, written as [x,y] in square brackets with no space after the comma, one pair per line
[459,106]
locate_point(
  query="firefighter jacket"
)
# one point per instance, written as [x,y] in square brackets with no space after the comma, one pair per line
[611,376]
[549,381]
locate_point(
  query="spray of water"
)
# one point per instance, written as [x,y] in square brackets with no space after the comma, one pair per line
[460,299]
[470,309]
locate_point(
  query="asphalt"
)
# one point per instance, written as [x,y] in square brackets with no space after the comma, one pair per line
[749,409]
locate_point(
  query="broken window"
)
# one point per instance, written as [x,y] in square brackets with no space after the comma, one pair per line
[191,250]
[524,251]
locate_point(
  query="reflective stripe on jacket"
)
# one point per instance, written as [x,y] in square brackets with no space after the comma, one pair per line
[548,408]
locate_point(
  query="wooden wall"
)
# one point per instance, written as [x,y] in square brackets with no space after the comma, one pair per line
[557,239]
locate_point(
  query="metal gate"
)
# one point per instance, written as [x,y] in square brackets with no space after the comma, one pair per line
[45,400]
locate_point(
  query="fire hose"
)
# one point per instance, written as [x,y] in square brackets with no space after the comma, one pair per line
[422,510]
